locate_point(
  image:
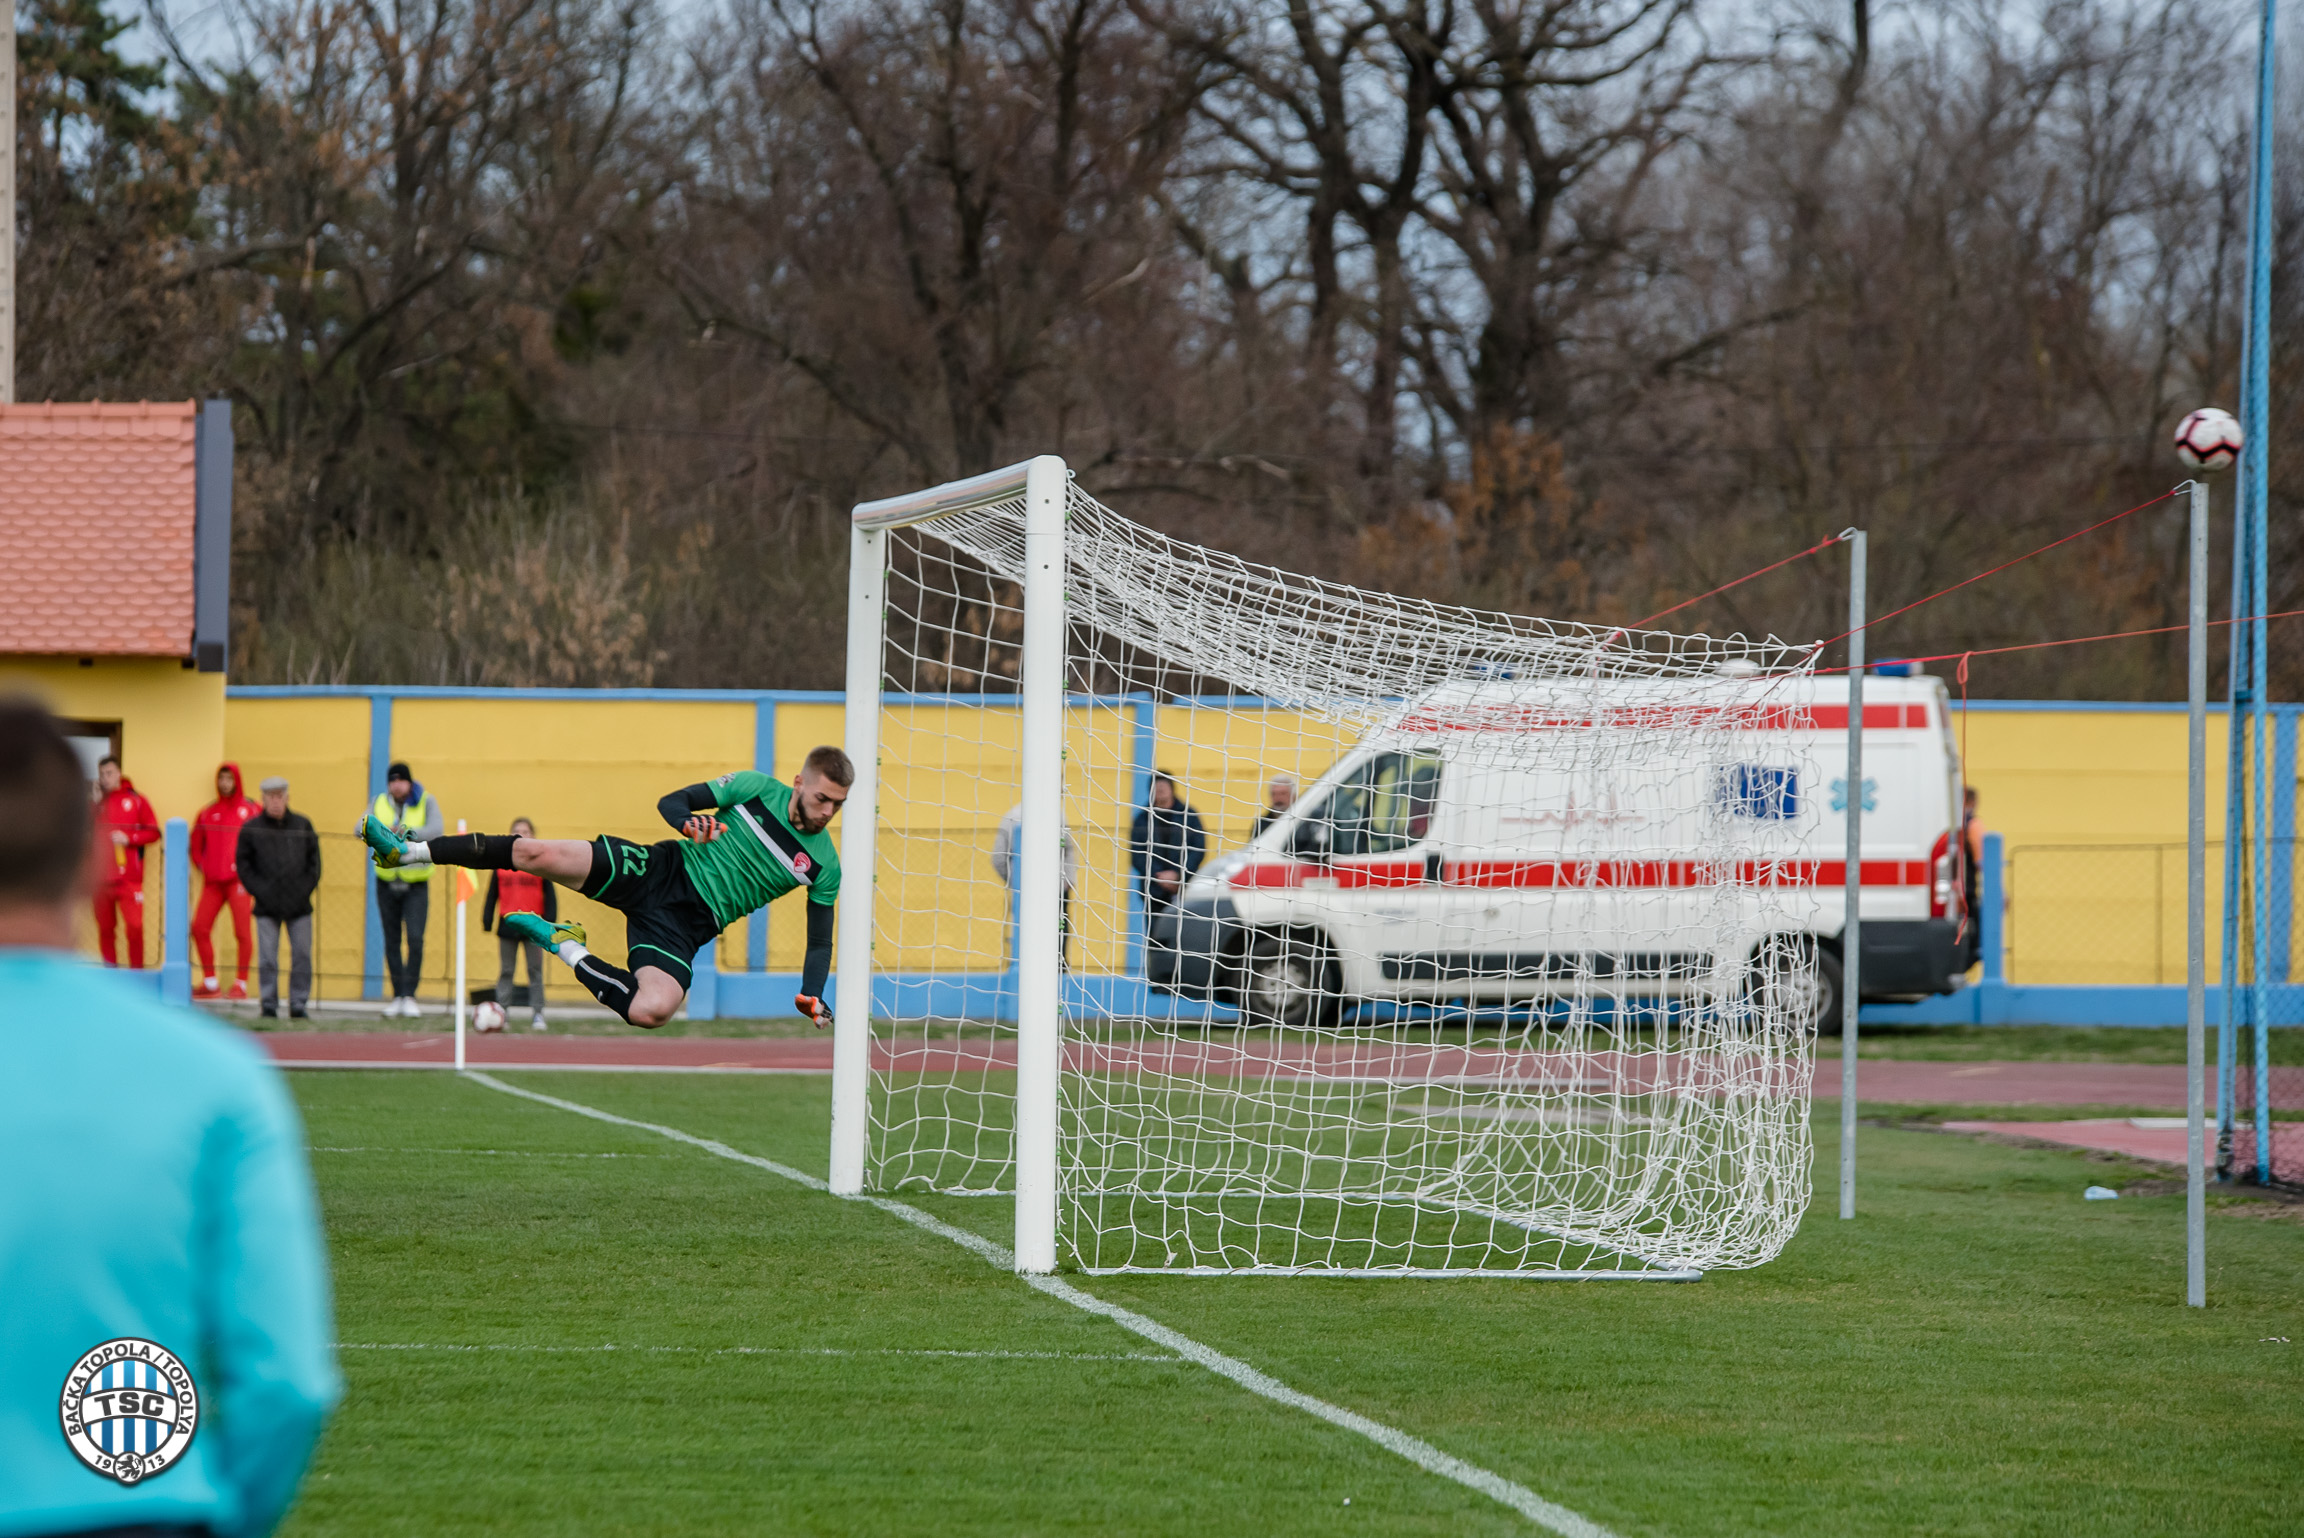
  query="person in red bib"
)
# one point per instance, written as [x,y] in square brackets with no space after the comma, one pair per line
[520,891]
[129,823]
[215,852]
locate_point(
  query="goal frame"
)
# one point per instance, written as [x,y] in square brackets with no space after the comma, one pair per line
[1042,487]
[1043,481]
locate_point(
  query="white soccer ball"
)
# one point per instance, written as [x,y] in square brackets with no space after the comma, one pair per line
[488,1017]
[2208,439]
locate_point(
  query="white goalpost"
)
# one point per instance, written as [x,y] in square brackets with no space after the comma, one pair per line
[1521,983]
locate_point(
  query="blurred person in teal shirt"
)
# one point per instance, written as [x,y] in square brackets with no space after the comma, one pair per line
[166,1356]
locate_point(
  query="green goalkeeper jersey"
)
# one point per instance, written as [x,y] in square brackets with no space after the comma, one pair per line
[760,856]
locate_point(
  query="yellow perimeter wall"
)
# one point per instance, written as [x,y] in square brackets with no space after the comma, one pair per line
[171,738]
[2049,777]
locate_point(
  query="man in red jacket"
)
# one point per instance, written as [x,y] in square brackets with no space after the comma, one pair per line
[129,823]
[215,850]
[520,891]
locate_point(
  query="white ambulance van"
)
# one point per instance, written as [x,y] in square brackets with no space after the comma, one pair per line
[1505,843]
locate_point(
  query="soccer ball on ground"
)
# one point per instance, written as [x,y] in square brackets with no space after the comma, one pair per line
[488,1018]
[2208,439]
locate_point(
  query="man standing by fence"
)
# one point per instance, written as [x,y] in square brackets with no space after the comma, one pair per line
[215,853]
[404,895]
[520,891]
[129,823]
[279,861]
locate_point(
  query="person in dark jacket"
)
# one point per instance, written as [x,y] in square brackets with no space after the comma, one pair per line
[520,891]
[1166,844]
[278,857]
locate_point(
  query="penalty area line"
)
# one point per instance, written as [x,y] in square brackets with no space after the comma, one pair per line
[1545,1514]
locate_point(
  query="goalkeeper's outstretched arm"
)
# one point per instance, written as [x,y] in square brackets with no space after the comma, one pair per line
[685,803]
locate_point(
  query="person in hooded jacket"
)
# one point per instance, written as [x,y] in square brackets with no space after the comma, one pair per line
[215,852]
[280,868]
[520,891]
[128,823]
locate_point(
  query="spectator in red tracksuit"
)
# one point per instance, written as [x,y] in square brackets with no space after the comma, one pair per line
[129,823]
[215,852]
[519,891]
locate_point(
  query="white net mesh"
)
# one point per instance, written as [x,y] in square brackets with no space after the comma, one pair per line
[1516,984]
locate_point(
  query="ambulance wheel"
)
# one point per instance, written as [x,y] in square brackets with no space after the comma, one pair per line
[1289,979]
[1794,978]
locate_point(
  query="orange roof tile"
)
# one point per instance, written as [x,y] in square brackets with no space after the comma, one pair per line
[96,523]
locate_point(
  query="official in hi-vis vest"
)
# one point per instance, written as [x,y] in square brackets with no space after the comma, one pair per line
[168,1355]
[404,897]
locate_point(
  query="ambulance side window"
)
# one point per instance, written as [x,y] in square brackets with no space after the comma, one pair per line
[1386,805]
[1758,791]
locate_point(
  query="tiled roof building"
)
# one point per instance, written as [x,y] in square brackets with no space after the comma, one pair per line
[116,520]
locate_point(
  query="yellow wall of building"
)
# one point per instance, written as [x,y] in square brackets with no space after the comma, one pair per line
[172,737]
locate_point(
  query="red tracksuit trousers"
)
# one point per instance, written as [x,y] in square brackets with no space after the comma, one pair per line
[214,895]
[119,897]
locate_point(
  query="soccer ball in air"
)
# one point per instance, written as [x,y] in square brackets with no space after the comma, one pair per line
[2208,439]
[488,1018]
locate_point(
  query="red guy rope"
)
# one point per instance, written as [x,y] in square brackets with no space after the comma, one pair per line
[2003,566]
[2078,640]
[1822,544]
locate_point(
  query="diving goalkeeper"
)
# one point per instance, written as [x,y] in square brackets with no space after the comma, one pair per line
[677,894]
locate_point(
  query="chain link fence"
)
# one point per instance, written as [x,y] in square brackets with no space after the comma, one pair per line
[2108,914]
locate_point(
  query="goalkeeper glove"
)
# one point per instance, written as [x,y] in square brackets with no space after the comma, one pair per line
[818,1015]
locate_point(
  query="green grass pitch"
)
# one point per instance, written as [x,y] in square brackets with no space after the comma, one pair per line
[1982,1352]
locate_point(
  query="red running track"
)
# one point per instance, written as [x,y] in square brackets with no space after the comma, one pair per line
[2144,1086]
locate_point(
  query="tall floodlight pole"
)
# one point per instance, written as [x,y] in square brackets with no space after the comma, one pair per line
[1851,936]
[2253,527]
[2196,919]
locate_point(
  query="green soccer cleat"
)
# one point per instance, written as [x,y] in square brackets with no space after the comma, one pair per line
[536,929]
[390,847]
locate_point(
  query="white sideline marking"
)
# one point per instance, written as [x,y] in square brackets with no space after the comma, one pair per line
[495,1153]
[1424,1455]
[1004,1356]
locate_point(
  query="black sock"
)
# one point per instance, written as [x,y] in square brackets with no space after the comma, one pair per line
[612,986]
[478,851]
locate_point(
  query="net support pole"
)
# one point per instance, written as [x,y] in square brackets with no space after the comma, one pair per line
[1851,933]
[462,993]
[2196,917]
[852,1003]
[1039,1002]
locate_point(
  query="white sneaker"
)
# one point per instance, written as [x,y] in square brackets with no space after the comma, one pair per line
[412,1010]
[536,1021]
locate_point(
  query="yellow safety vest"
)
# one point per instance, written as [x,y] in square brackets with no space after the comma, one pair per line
[398,818]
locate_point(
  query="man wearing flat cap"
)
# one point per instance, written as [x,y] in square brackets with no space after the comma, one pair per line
[280,868]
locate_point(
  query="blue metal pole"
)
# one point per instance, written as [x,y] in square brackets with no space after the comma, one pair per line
[379,759]
[176,914]
[1147,713]
[2235,848]
[2283,864]
[2255,467]
[764,760]
[1991,924]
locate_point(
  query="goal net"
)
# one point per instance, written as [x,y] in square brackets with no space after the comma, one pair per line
[1236,921]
